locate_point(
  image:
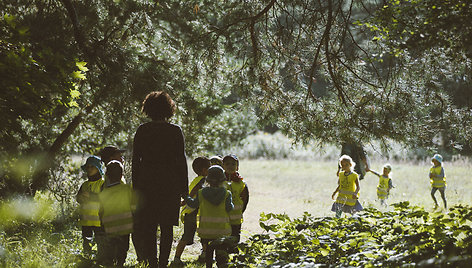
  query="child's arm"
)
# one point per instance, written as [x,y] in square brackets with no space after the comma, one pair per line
[81,196]
[245,197]
[229,203]
[358,188]
[335,191]
[390,184]
[374,172]
[192,202]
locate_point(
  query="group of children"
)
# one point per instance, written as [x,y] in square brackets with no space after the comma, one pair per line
[348,188]
[214,208]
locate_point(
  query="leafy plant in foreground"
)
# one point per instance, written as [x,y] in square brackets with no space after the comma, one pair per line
[408,235]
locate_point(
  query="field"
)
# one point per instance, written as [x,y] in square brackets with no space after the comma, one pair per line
[295,187]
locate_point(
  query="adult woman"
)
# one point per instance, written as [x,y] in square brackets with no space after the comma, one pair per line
[159,175]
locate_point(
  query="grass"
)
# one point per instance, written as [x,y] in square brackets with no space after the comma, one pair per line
[276,186]
[295,187]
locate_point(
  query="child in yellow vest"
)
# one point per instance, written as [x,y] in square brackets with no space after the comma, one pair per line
[214,203]
[117,205]
[437,178]
[87,197]
[348,188]
[385,183]
[188,215]
[239,191]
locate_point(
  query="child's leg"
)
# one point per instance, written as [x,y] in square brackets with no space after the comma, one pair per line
[433,191]
[443,196]
[180,249]
[236,231]
[87,238]
[208,253]
[339,212]
[122,244]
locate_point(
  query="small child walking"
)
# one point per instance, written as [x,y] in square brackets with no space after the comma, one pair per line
[87,197]
[188,215]
[239,192]
[385,183]
[437,178]
[117,205]
[348,188]
[214,203]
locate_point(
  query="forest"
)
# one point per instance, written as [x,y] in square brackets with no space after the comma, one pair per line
[74,74]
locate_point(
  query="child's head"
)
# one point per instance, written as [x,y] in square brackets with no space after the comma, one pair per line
[386,169]
[216,160]
[437,160]
[114,171]
[230,163]
[200,165]
[111,153]
[216,175]
[346,163]
[92,166]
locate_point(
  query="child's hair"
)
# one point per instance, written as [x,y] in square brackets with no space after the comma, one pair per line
[114,171]
[216,160]
[231,157]
[200,163]
[216,175]
[348,158]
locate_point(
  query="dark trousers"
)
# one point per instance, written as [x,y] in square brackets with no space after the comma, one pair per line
[145,241]
[215,247]
[116,250]
[93,235]
[236,231]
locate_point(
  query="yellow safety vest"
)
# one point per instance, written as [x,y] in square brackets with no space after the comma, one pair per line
[213,220]
[382,188]
[437,182]
[117,204]
[186,209]
[90,208]
[236,215]
[347,187]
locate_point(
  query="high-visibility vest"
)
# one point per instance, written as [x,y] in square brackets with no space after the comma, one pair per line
[347,187]
[437,182]
[187,209]
[89,209]
[117,205]
[236,215]
[382,188]
[213,220]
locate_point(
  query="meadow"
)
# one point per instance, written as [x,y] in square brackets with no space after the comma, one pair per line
[290,187]
[294,187]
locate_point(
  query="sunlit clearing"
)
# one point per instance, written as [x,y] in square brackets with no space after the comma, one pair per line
[22,209]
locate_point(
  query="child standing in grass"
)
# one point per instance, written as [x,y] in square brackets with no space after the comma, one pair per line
[348,188]
[239,191]
[188,214]
[87,197]
[437,178]
[116,214]
[214,203]
[385,183]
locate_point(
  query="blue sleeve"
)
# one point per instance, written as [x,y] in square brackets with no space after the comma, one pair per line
[390,183]
[229,203]
[192,202]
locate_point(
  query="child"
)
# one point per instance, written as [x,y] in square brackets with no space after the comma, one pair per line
[385,183]
[214,203]
[116,207]
[112,153]
[239,191]
[348,188]
[188,215]
[216,160]
[87,197]
[438,179]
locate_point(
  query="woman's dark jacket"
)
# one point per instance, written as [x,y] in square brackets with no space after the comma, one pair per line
[159,171]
